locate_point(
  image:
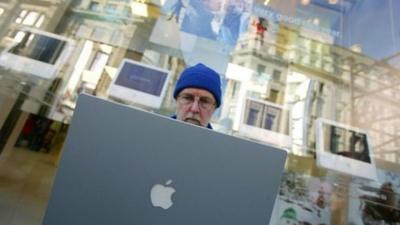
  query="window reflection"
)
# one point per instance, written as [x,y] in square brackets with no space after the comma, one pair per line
[297,51]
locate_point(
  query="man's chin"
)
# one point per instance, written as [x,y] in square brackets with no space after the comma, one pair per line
[193,121]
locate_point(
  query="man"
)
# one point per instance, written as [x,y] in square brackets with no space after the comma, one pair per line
[198,95]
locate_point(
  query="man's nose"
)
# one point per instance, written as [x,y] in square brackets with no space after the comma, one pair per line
[195,106]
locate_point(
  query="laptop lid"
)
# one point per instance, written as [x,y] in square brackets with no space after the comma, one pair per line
[122,165]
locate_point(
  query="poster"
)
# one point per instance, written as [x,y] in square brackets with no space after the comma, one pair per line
[376,202]
[302,200]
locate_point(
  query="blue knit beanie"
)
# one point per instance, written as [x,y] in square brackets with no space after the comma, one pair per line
[200,76]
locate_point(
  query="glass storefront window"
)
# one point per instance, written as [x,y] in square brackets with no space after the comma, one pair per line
[293,61]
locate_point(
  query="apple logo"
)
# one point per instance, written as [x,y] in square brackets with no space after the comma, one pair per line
[161,195]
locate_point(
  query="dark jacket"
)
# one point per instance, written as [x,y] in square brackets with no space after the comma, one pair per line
[208,125]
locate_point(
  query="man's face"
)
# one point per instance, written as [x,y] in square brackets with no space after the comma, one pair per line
[195,106]
[213,5]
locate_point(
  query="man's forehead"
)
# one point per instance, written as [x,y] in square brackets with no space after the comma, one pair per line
[198,92]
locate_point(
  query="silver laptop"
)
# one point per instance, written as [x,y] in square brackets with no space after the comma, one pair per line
[125,166]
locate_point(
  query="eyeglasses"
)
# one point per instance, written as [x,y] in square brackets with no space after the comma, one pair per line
[205,103]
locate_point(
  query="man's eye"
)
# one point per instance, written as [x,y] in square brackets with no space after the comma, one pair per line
[187,97]
[206,101]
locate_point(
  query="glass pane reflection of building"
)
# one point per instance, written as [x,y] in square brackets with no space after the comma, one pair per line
[262,115]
